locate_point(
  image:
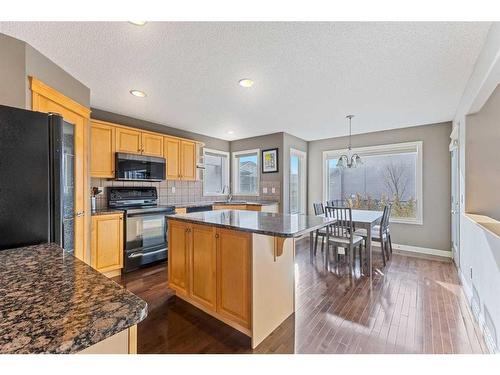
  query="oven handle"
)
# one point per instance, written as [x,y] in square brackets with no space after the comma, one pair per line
[137,255]
[154,213]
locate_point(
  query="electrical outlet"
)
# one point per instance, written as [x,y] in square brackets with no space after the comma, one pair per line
[173,189]
[264,190]
[273,190]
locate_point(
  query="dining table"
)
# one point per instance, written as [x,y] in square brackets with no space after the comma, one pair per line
[362,219]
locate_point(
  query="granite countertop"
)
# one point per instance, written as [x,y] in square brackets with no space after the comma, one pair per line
[236,202]
[106,211]
[272,224]
[51,302]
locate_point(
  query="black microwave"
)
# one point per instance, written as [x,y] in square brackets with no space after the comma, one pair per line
[130,167]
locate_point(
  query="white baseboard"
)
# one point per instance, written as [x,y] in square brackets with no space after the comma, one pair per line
[423,250]
[478,316]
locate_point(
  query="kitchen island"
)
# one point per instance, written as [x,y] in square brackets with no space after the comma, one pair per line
[238,266]
[51,302]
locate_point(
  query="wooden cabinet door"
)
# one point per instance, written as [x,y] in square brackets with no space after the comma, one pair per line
[188,160]
[102,150]
[171,153]
[178,256]
[128,141]
[234,275]
[107,242]
[152,144]
[203,285]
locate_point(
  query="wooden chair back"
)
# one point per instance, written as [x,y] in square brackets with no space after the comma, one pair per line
[319,209]
[343,225]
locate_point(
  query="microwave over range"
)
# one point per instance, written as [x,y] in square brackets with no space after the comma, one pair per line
[130,167]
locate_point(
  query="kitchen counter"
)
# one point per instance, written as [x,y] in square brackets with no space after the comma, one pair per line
[280,225]
[106,211]
[219,203]
[51,302]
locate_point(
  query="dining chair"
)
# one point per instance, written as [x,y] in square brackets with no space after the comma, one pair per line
[342,235]
[319,209]
[381,233]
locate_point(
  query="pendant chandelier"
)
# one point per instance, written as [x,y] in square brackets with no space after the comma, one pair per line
[349,160]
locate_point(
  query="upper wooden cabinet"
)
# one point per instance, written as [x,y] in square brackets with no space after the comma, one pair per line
[188,160]
[172,151]
[108,138]
[152,144]
[128,141]
[181,159]
[102,150]
[107,243]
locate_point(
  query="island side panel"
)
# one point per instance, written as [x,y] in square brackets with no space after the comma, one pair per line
[273,292]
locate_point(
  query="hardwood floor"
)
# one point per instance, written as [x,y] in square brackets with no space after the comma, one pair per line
[416,306]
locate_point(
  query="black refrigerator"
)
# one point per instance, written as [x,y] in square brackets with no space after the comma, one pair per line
[37,159]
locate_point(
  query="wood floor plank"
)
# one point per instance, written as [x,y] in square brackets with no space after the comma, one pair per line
[414,305]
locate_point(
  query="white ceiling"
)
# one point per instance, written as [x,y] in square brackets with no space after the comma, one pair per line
[308,76]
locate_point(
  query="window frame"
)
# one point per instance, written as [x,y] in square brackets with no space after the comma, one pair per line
[387,149]
[226,165]
[234,174]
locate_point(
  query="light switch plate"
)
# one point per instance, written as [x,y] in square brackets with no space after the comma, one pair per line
[173,189]
[264,190]
[273,190]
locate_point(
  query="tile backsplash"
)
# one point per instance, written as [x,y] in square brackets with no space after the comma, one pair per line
[185,191]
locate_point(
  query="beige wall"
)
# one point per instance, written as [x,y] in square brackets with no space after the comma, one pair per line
[435,233]
[482,159]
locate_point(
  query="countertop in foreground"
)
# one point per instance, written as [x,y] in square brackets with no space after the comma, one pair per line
[272,224]
[51,302]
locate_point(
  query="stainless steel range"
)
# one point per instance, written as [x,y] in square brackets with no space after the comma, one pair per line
[145,224]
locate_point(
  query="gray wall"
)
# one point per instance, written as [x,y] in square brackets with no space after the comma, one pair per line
[482,160]
[210,142]
[39,66]
[435,233]
[12,72]
[290,141]
[268,180]
[20,60]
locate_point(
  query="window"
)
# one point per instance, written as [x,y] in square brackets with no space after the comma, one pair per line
[216,173]
[389,173]
[246,172]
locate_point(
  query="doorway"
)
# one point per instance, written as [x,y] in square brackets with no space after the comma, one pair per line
[297,182]
[455,196]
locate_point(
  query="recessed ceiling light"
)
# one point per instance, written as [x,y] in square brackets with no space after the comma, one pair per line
[245,82]
[230,132]
[138,23]
[139,93]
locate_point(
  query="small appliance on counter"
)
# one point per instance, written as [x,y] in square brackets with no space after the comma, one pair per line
[37,165]
[145,224]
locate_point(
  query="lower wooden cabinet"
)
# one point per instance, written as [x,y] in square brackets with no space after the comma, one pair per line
[234,275]
[107,243]
[178,256]
[203,265]
[211,267]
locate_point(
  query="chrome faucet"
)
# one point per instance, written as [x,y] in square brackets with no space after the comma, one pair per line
[227,190]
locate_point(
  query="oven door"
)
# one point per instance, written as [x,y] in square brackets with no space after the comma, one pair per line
[145,239]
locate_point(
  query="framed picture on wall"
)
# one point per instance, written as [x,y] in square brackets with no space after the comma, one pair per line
[270,160]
